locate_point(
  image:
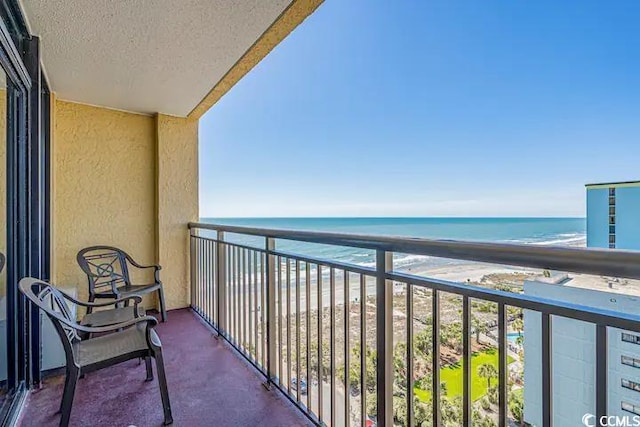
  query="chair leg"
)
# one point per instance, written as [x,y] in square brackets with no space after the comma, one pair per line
[163,309]
[147,362]
[164,392]
[91,299]
[67,398]
[66,385]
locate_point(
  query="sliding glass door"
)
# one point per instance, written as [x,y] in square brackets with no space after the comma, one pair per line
[13,359]
[24,203]
[5,389]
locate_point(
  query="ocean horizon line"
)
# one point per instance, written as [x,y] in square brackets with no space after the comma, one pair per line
[393,217]
[559,231]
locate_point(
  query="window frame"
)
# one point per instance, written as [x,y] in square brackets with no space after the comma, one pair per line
[27,200]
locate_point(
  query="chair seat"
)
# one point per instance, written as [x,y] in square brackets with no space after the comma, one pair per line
[112,346]
[111,317]
[128,290]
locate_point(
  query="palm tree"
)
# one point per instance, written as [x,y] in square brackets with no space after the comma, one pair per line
[492,395]
[487,422]
[514,312]
[354,371]
[452,335]
[423,342]
[516,407]
[479,327]
[443,388]
[400,409]
[400,365]
[422,414]
[518,325]
[487,371]
[424,382]
[449,413]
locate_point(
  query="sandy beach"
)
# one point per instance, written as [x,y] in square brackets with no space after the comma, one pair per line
[458,272]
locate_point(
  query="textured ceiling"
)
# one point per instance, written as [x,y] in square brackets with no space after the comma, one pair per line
[145,56]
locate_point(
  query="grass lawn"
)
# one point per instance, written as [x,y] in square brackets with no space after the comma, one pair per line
[452,376]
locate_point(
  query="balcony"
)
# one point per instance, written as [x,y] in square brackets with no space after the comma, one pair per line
[207,382]
[101,107]
[389,348]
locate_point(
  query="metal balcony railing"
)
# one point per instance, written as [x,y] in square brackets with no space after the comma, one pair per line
[281,311]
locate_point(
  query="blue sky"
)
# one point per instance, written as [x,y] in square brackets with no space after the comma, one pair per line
[431,108]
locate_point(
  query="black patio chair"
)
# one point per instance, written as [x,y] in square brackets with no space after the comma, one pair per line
[135,338]
[107,270]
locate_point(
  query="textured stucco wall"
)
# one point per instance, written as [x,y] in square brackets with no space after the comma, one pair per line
[177,202]
[103,186]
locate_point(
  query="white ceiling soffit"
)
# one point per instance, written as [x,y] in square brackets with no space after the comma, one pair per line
[145,56]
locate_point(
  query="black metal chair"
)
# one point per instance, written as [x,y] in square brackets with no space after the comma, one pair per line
[107,269]
[135,338]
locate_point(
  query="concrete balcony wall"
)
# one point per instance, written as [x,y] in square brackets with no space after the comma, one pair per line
[127,180]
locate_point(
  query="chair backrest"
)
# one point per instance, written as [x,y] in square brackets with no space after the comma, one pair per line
[105,267]
[52,301]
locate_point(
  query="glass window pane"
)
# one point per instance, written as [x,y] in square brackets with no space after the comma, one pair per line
[3,241]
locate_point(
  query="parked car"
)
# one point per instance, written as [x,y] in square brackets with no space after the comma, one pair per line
[303,385]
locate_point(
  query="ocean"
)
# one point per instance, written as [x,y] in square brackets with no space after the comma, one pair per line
[532,231]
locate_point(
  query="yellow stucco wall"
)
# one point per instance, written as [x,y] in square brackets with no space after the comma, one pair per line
[103,186]
[125,180]
[177,202]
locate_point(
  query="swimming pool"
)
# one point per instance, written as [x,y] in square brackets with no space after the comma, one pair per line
[513,336]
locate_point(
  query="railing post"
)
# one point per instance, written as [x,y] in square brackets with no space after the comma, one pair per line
[547,370]
[384,331]
[221,283]
[270,245]
[602,350]
[467,405]
[193,263]
[435,358]
[502,366]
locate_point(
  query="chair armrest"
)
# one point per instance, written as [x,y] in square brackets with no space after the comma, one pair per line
[157,268]
[136,300]
[135,264]
[149,320]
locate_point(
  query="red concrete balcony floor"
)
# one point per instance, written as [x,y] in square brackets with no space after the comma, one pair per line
[209,385]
